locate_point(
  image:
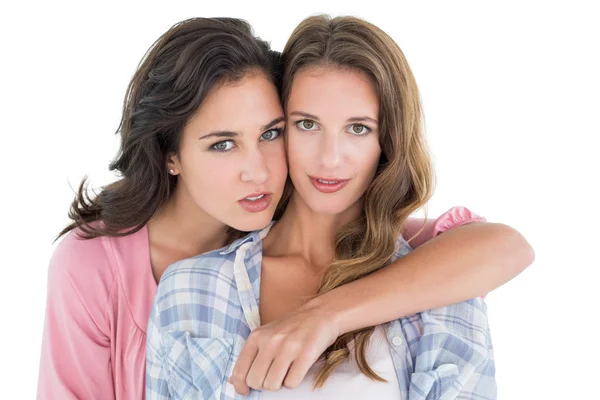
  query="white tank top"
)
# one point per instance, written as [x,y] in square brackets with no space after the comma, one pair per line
[347,382]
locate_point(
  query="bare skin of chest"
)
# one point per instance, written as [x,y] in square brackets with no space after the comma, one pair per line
[286,284]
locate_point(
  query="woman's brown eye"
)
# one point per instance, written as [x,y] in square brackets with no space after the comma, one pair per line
[359,129]
[308,124]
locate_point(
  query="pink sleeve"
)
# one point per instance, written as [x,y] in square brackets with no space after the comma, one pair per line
[452,218]
[75,361]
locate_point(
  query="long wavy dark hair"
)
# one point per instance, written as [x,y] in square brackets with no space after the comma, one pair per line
[404,180]
[171,82]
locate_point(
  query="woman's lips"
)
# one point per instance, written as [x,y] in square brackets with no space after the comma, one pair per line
[256,202]
[328,185]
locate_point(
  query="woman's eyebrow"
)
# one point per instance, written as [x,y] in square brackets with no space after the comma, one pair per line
[305,115]
[359,119]
[227,134]
[272,123]
[230,134]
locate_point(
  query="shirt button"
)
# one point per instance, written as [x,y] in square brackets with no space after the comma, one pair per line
[397,341]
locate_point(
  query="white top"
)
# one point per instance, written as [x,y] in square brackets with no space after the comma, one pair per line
[347,382]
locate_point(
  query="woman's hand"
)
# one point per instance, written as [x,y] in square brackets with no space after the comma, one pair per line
[281,352]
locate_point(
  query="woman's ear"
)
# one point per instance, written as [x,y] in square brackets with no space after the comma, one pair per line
[173,165]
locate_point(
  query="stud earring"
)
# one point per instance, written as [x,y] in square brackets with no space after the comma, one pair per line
[172,171]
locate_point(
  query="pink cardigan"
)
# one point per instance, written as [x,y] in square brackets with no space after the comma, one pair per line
[100,292]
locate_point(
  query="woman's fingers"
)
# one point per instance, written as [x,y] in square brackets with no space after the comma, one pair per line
[242,367]
[260,366]
[279,369]
[281,352]
[298,371]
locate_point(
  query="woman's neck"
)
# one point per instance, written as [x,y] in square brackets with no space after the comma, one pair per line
[302,232]
[182,226]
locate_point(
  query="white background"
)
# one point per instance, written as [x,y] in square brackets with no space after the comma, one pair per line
[511,93]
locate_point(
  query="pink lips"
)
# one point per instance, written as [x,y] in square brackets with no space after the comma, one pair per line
[328,185]
[258,202]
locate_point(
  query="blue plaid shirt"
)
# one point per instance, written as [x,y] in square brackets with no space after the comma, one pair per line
[206,307]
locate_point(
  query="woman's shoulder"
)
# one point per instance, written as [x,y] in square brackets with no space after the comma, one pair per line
[78,259]
[205,272]
[81,276]
[200,270]
[75,255]
[220,260]
[75,247]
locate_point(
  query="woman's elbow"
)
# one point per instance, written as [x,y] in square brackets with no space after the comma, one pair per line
[518,248]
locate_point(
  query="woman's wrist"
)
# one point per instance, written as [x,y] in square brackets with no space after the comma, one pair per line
[345,307]
[330,310]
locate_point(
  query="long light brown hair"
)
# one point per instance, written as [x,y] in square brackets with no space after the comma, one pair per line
[404,180]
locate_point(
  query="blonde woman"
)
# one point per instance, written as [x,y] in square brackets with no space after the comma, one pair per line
[359,167]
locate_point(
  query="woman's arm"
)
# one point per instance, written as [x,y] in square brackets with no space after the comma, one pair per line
[465,262]
[75,360]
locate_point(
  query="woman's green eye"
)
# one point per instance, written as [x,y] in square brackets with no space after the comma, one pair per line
[223,146]
[270,135]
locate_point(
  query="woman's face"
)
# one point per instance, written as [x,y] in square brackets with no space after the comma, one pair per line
[232,161]
[333,137]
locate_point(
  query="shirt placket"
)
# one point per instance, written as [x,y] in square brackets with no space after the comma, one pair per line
[400,356]
[249,304]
